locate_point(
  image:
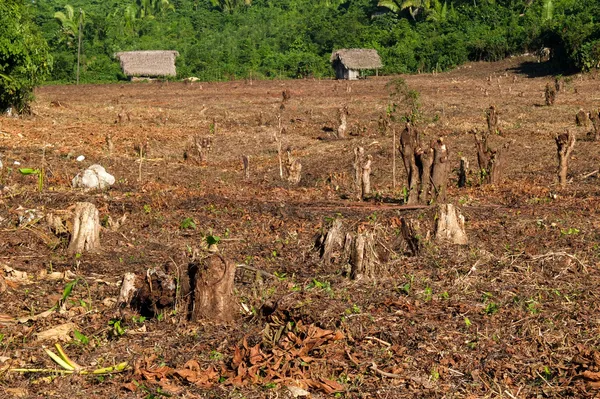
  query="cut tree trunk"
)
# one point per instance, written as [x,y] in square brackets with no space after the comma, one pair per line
[491,162]
[581,118]
[359,162]
[424,160]
[332,241]
[594,116]
[409,144]
[564,145]
[410,233]
[363,261]
[246,164]
[128,290]
[492,119]
[450,225]
[463,171]
[343,122]
[440,170]
[86,229]
[293,169]
[366,177]
[212,281]
[550,94]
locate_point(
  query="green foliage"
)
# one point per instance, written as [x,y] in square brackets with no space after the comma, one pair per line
[188,223]
[24,58]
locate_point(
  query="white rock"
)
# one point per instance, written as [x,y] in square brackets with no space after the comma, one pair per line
[17,163]
[94,177]
[80,158]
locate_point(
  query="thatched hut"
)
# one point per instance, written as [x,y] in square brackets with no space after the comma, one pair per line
[148,64]
[348,62]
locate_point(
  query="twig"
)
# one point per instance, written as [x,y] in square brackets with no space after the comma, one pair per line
[255,270]
[352,359]
[379,340]
[552,254]
[383,373]
[589,174]
[545,380]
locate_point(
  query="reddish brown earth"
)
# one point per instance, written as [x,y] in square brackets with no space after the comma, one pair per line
[512,314]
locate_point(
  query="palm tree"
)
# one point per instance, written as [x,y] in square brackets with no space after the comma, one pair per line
[72,27]
[230,6]
[414,7]
[438,12]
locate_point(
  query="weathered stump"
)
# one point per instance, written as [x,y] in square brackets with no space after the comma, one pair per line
[492,119]
[424,160]
[363,259]
[440,170]
[293,169]
[550,94]
[410,233]
[366,177]
[343,122]
[246,165]
[463,171]
[491,162]
[581,118]
[332,241]
[450,225]
[212,281]
[362,173]
[594,117]
[128,290]
[86,229]
[409,144]
[564,147]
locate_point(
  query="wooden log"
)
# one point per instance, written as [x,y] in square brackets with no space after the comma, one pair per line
[450,225]
[86,229]
[212,280]
[564,147]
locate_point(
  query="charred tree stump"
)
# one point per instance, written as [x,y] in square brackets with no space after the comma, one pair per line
[410,233]
[440,170]
[212,281]
[594,116]
[564,145]
[293,169]
[363,260]
[343,122]
[581,118]
[86,229]
[450,225]
[550,94]
[492,119]
[246,165]
[463,172]
[409,144]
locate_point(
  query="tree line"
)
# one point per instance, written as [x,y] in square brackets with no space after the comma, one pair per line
[234,39]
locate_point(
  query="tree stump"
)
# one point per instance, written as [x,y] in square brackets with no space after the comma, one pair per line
[366,177]
[450,225]
[363,259]
[550,94]
[332,241]
[410,233]
[360,162]
[492,119]
[246,165]
[594,117]
[409,144]
[440,170]
[86,229]
[559,84]
[424,161]
[343,122]
[581,118]
[128,290]
[491,162]
[463,171]
[564,146]
[293,169]
[212,280]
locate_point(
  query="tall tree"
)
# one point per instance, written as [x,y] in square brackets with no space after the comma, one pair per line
[72,27]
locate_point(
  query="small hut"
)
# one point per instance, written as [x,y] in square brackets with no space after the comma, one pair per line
[148,64]
[348,62]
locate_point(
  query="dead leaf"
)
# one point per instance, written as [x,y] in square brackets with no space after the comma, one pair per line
[25,319]
[591,375]
[6,319]
[17,392]
[61,332]
[16,276]
[297,392]
[3,286]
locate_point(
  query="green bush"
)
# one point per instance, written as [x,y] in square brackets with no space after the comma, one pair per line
[24,59]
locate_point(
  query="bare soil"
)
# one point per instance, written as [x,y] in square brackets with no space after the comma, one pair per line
[511,314]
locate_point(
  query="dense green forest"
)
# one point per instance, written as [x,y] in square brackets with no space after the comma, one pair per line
[232,39]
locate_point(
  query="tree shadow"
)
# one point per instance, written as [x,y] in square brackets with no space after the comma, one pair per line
[533,69]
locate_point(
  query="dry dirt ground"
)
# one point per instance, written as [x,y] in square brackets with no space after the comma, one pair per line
[512,314]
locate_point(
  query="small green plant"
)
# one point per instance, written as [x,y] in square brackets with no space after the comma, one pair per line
[491,308]
[147,209]
[138,319]
[213,240]
[428,294]
[116,329]
[215,355]
[571,231]
[435,374]
[445,295]
[406,287]
[160,317]
[322,285]
[188,223]
[38,172]
[66,293]
[80,337]
[467,322]
[533,307]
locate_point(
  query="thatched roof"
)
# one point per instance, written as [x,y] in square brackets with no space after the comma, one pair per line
[148,63]
[357,58]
